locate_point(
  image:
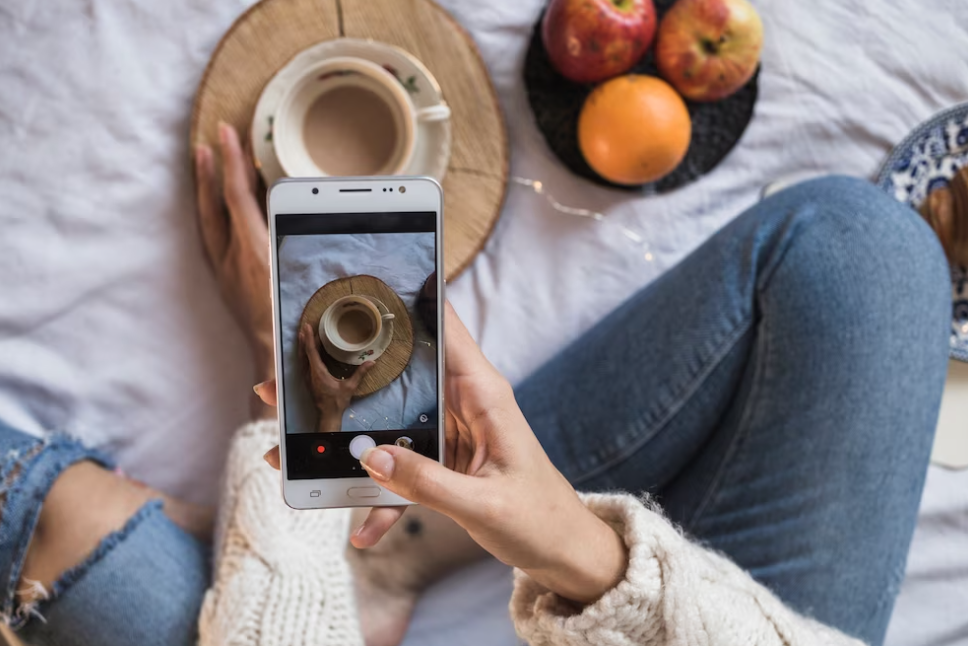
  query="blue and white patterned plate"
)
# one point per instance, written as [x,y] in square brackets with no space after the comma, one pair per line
[925,160]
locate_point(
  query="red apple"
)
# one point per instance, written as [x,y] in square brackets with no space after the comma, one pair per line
[592,40]
[708,49]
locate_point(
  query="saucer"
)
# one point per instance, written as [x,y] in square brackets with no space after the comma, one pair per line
[928,158]
[432,146]
[358,358]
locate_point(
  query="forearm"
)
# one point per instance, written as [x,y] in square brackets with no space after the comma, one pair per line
[593,561]
[330,420]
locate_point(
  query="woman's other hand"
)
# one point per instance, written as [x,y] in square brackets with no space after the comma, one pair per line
[236,242]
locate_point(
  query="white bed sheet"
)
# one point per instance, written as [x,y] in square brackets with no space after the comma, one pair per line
[111,326]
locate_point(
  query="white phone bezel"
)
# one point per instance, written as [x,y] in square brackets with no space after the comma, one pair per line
[288,196]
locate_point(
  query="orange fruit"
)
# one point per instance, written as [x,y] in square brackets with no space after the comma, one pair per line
[634,129]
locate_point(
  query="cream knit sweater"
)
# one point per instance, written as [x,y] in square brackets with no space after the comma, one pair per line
[674,593]
[282,578]
[281,575]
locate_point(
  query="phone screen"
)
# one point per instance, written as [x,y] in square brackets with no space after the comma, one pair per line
[365,285]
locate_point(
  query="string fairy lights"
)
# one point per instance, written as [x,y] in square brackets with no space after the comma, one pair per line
[538,187]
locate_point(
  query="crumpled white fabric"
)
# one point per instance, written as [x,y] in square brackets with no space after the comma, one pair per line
[112,328]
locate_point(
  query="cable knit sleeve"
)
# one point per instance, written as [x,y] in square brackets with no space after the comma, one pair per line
[674,592]
[281,575]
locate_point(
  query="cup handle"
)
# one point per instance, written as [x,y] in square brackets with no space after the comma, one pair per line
[439,112]
[388,316]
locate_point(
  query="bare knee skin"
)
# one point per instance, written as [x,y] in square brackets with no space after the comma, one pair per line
[87,503]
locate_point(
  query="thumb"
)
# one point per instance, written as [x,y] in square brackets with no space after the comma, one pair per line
[422,480]
[267,392]
[359,373]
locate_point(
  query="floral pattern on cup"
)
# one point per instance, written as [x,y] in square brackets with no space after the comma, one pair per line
[337,73]
[409,84]
[364,355]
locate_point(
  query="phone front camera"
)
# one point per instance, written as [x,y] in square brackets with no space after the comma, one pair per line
[315,191]
[403,189]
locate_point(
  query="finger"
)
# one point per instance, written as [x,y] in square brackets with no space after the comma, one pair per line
[272,457]
[450,439]
[309,347]
[464,454]
[422,480]
[378,522]
[211,215]
[239,195]
[357,377]
[463,356]
[464,360]
[250,172]
[267,392]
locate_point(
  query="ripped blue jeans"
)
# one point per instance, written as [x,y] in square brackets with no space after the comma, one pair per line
[142,585]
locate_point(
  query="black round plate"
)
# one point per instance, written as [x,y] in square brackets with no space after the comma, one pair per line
[556,103]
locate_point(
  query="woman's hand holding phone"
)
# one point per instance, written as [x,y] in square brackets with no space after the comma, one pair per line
[500,487]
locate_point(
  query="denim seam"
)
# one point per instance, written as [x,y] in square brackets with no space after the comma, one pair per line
[743,430]
[643,434]
[71,576]
[760,286]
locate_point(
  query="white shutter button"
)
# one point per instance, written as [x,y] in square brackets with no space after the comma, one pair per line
[359,444]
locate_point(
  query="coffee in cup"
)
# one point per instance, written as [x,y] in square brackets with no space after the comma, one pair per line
[352,323]
[351,130]
[348,116]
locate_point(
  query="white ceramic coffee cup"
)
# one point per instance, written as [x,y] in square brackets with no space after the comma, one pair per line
[288,123]
[329,322]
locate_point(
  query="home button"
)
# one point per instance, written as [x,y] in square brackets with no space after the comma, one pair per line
[363,492]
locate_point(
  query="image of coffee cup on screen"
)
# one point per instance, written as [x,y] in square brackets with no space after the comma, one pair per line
[358,353]
[352,329]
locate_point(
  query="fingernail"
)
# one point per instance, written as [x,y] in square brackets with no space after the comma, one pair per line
[223,132]
[378,463]
[266,456]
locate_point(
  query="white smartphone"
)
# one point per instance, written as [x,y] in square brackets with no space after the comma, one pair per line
[358,260]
